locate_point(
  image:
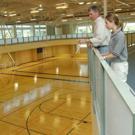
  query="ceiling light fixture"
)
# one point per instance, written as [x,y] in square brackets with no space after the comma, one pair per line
[18,21]
[40,9]
[118,9]
[81,3]
[132,14]
[33,19]
[5,12]
[94,2]
[12,15]
[88,3]
[61,6]
[69,15]
[40,5]
[64,20]
[34,11]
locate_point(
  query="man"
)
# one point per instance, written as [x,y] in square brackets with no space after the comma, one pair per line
[101,35]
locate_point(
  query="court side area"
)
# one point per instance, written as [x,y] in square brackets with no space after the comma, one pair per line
[46,98]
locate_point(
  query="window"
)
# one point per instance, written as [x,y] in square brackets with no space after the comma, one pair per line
[129,27]
[27,33]
[9,31]
[84,29]
[1,34]
[19,33]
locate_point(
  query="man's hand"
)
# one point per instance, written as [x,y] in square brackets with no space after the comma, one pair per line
[89,45]
[82,41]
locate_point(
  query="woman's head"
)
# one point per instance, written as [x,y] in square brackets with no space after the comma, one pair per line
[112,21]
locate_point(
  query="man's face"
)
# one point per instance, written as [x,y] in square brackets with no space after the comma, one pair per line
[93,15]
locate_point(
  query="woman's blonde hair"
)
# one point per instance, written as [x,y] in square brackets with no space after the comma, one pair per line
[114,18]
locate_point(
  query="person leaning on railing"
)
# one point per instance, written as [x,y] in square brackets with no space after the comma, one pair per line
[118,53]
[101,34]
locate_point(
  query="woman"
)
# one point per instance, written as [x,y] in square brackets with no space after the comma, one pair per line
[118,54]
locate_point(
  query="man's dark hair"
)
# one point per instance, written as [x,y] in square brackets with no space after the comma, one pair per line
[95,8]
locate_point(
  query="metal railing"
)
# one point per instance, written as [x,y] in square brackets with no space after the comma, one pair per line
[10,41]
[20,40]
[113,102]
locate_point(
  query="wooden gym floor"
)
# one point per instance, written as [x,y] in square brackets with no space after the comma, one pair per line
[46,98]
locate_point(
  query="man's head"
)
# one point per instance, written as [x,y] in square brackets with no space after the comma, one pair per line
[94,11]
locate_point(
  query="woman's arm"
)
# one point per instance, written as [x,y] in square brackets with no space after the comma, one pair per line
[109,56]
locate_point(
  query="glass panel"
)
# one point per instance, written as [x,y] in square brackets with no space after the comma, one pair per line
[37,32]
[35,38]
[40,38]
[0,34]
[27,33]
[58,36]
[8,41]
[53,37]
[48,37]
[43,32]
[1,42]
[44,38]
[63,36]
[74,36]
[19,33]
[31,39]
[69,36]
[20,40]
[26,39]
[14,40]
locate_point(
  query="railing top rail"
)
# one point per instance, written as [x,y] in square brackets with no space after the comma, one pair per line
[123,89]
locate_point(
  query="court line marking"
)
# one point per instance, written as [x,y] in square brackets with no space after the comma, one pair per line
[19,126]
[66,117]
[82,121]
[48,99]
[37,101]
[36,63]
[42,62]
[49,73]
[37,106]
[49,78]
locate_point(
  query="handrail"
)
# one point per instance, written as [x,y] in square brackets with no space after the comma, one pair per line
[10,41]
[113,102]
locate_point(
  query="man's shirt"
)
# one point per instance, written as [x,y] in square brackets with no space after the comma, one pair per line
[101,35]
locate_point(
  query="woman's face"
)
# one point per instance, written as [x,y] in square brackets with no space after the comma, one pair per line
[109,25]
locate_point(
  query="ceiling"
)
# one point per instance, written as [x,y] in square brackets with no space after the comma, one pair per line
[44,11]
